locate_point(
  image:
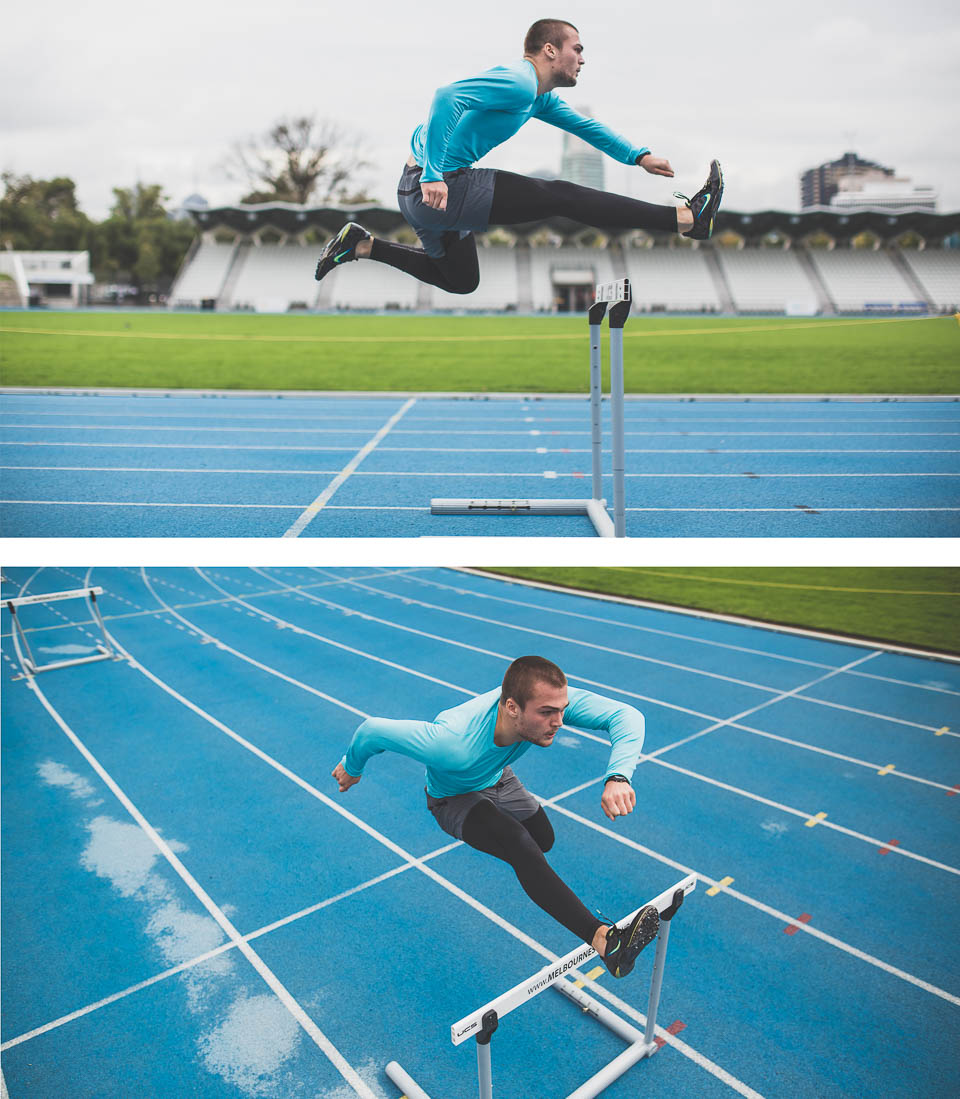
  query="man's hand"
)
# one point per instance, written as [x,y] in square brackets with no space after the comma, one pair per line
[656,165]
[344,781]
[435,194]
[618,799]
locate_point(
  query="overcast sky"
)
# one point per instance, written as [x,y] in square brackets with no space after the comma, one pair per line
[110,93]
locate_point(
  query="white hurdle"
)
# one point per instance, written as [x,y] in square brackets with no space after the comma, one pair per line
[102,651]
[616,295]
[482,1023]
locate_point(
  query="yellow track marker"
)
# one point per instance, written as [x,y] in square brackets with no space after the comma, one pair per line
[815,820]
[591,976]
[886,770]
[942,730]
[722,884]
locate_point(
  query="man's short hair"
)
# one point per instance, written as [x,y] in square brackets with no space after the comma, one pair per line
[524,674]
[543,31]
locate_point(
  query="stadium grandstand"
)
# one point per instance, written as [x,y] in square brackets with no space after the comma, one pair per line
[823,262]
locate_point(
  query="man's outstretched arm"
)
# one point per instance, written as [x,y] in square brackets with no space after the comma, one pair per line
[417,739]
[557,112]
[624,725]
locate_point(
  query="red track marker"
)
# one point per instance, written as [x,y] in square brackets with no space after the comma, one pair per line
[674,1028]
[890,843]
[792,929]
[955,790]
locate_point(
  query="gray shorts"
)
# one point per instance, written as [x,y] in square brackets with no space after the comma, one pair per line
[469,198]
[509,794]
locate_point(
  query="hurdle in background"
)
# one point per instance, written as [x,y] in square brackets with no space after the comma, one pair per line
[482,1023]
[617,296]
[102,651]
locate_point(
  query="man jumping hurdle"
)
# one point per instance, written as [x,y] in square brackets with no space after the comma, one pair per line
[475,796]
[446,200]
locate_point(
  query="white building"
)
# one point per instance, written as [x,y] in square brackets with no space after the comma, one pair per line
[582,163]
[49,278]
[875,191]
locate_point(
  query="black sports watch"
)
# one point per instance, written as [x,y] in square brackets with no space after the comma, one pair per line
[616,778]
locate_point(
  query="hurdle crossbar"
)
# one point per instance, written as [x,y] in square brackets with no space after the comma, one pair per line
[616,295]
[482,1023]
[102,651]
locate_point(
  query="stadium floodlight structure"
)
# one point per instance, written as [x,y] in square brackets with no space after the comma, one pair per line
[616,296]
[482,1023]
[101,650]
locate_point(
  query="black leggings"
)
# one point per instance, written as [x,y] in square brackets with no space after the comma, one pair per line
[521,843]
[519,199]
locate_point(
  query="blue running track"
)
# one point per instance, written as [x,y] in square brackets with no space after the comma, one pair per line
[354,466]
[191,909]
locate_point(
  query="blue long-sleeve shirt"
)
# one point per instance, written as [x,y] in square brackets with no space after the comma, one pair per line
[470,117]
[458,750]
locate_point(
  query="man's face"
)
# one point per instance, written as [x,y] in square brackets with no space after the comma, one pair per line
[568,61]
[541,718]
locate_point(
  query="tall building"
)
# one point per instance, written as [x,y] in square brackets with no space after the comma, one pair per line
[581,163]
[819,185]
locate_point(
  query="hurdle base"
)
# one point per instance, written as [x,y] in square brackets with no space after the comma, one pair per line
[594,510]
[405,1082]
[638,1048]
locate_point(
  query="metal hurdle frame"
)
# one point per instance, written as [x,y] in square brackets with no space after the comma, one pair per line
[616,295]
[482,1023]
[30,666]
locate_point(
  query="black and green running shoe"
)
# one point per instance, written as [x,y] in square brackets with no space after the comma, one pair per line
[705,203]
[341,249]
[625,943]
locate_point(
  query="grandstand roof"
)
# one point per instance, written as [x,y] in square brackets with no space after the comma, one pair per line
[292,218]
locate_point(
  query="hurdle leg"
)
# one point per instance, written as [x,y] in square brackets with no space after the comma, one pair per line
[616,413]
[484,1070]
[657,980]
[595,317]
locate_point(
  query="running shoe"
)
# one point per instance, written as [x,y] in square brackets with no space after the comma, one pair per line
[705,203]
[341,249]
[625,943]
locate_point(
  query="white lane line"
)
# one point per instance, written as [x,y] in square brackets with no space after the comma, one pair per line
[781,917]
[147,504]
[796,509]
[224,948]
[740,792]
[869,713]
[419,864]
[395,474]
[422,507]
[337,1059]
[321,501]
[774,913]
[457,430]
[834,755]
[186,446]
[649,757]
[355,582]
[630,602]
[457,450]
[435,416]
[172,427]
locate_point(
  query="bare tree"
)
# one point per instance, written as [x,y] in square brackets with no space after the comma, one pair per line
[299,160]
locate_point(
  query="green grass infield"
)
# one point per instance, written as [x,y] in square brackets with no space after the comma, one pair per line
[546,354]
[914,607]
